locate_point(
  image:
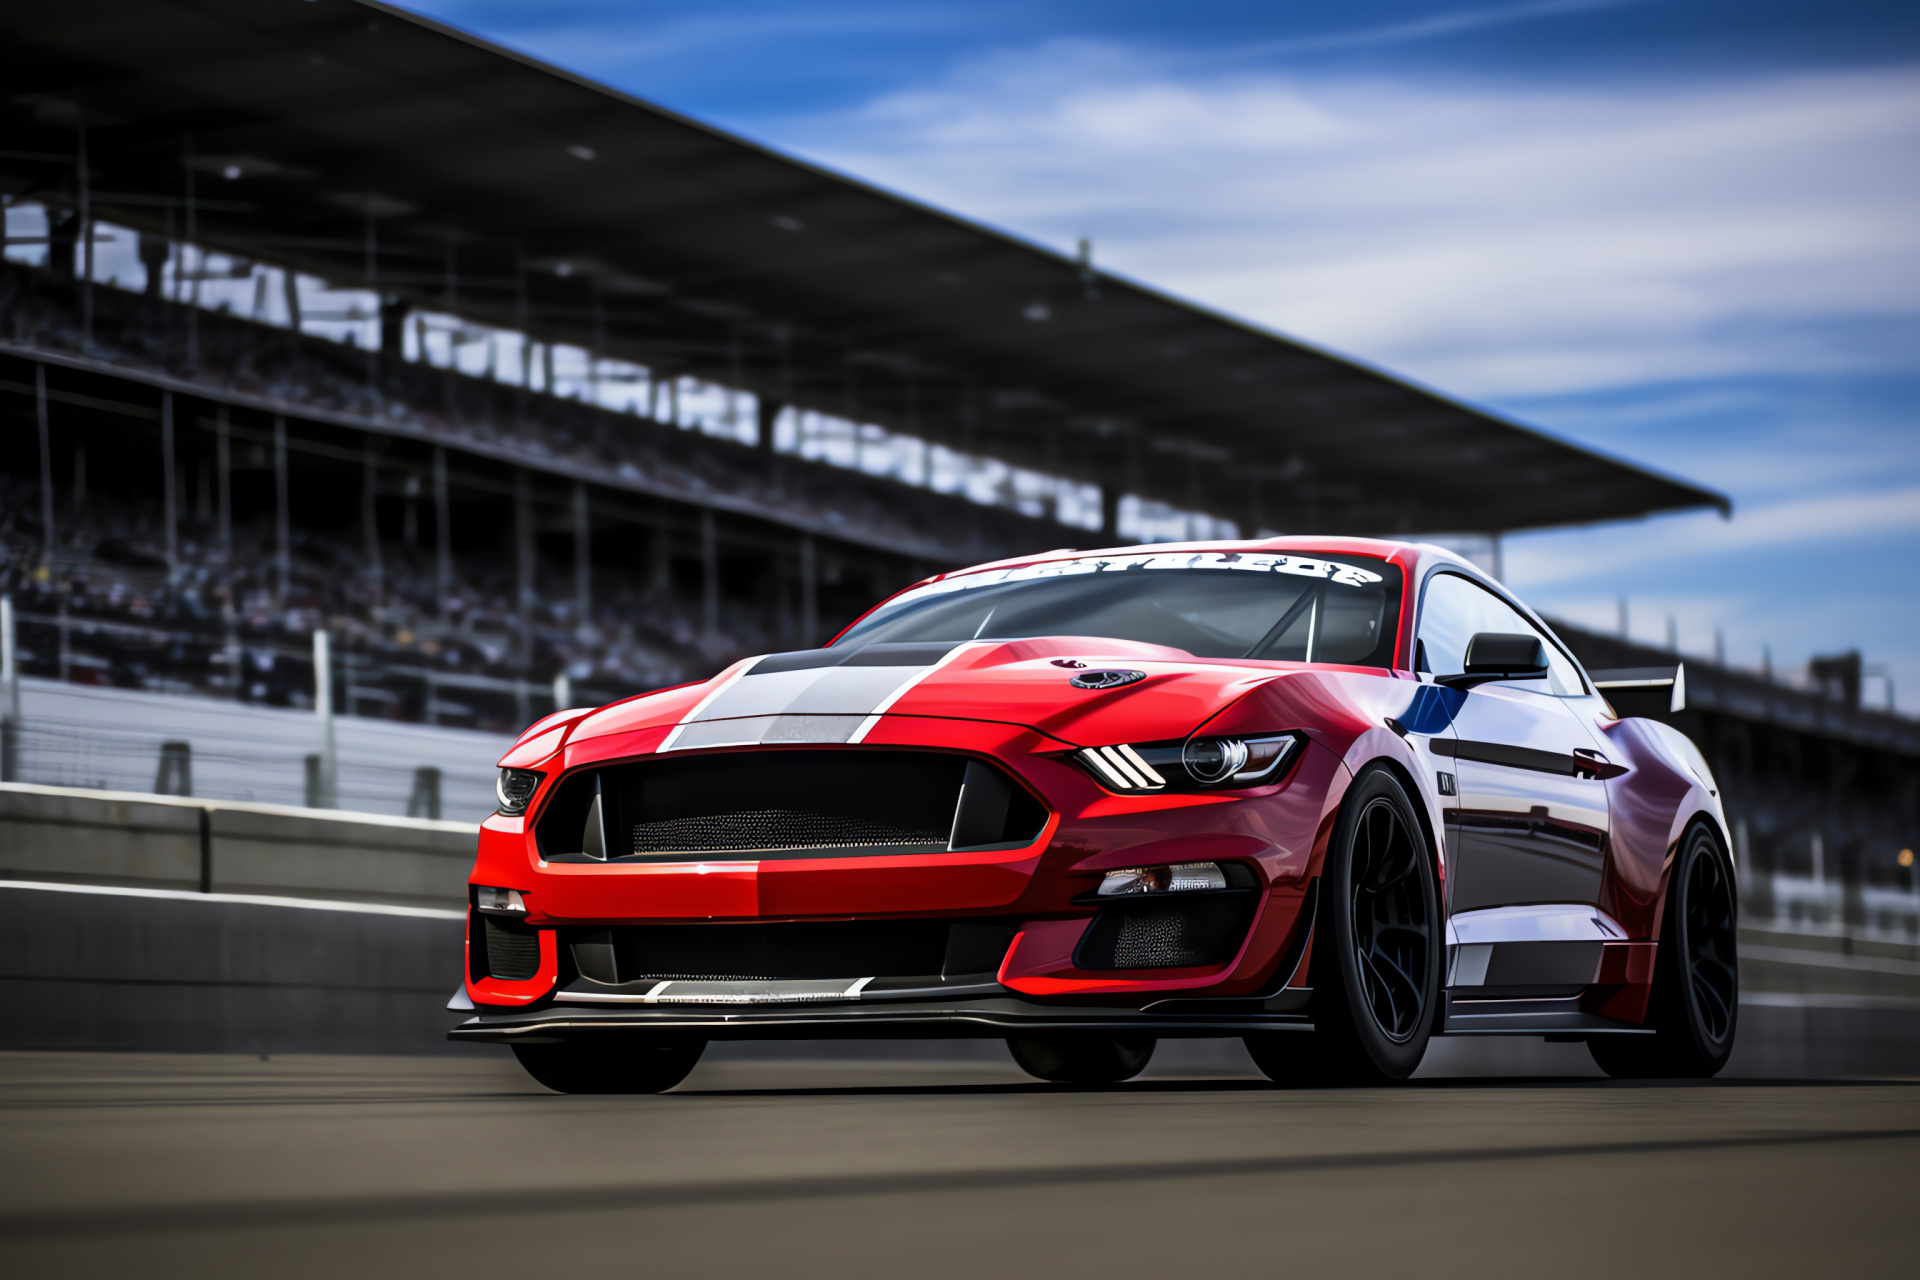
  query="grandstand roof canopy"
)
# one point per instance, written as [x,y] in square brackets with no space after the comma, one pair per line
[343,138]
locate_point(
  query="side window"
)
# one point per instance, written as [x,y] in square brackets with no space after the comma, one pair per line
[1455,608]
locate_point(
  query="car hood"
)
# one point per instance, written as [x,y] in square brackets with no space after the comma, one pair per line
[826,695]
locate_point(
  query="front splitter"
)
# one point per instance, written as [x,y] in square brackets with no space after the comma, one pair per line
[991,1018]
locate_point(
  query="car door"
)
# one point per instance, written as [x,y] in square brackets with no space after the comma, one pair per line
[1531,822]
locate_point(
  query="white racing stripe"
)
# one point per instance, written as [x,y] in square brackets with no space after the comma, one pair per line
[813,704]
[873,717]
[703,704]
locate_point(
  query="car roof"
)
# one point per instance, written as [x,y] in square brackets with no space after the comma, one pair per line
[1409,555]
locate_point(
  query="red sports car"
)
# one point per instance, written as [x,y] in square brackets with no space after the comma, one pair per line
[1332,795]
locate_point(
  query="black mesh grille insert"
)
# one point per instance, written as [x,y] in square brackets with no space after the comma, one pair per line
[513,949]
[776,829]
[1166,935]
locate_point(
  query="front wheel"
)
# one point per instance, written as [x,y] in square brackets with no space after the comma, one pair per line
[1376,949]
[1083,1059]
[1696,976]
[613,1066]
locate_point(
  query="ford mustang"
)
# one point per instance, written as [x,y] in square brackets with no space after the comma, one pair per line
[1334,796]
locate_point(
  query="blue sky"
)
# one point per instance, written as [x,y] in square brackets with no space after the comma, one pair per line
[1684,233]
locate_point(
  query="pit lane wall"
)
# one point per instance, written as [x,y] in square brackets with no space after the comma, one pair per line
[334,932]
[317,931]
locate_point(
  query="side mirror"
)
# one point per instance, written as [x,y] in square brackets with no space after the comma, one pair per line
[1493,655]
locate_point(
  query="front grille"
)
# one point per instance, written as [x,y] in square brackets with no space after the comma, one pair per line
[513,949]
[805,949]
[790,803]
[1166,935]
[774,829]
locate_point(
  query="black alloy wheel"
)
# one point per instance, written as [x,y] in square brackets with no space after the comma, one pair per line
[1695,1004]
[1392,931]
[1376,949]
[610,1066]
[1082,1059]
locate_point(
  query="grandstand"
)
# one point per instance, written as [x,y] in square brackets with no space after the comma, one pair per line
[320,317]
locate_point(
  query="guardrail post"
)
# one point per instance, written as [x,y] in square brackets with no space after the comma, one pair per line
[9,695]
[324,789]
[425,800]
[206,851]
[175,774]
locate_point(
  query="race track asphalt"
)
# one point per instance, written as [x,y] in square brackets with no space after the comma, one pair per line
[159,1166]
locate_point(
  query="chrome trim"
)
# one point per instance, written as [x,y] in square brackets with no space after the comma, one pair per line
[705,991]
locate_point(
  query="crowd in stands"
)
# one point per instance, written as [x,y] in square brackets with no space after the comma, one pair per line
[108,610]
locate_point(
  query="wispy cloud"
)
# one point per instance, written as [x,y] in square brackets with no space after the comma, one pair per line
[1803,523]
[1495,240]
[1716,276]
[1434,26]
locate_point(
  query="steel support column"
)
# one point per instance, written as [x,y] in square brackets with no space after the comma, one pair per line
[282,517]
[442,524]
[369,512]
[709,582]
[809,594]
[169,481]
[582,556]
[46,468]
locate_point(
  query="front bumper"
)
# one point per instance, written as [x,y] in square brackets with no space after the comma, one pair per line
[974,1017]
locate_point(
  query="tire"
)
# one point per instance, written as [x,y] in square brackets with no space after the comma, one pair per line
[1695,1005]
[614,1066]
[1083,1059]
[1376,950]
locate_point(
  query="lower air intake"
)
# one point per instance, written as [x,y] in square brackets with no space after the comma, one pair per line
[513,949]
[1166,935]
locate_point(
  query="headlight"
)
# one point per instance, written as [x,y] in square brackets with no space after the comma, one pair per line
[515,787]
[1181,877]
[1196,764]
[1243,762]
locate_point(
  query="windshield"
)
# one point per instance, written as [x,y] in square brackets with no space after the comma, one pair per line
[1213,605]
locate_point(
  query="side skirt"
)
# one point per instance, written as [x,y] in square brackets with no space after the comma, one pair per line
[1530,1018]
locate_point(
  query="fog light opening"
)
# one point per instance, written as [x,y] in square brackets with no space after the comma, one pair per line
[504,902]
[1179,877]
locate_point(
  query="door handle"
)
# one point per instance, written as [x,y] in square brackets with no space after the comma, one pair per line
[1591,764]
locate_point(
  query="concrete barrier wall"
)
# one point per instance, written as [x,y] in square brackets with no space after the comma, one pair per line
[98,967]
[125,838]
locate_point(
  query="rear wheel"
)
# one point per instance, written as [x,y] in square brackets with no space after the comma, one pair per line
[1083,1059]
[613,1066]
[1376,950]
[1696,976]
